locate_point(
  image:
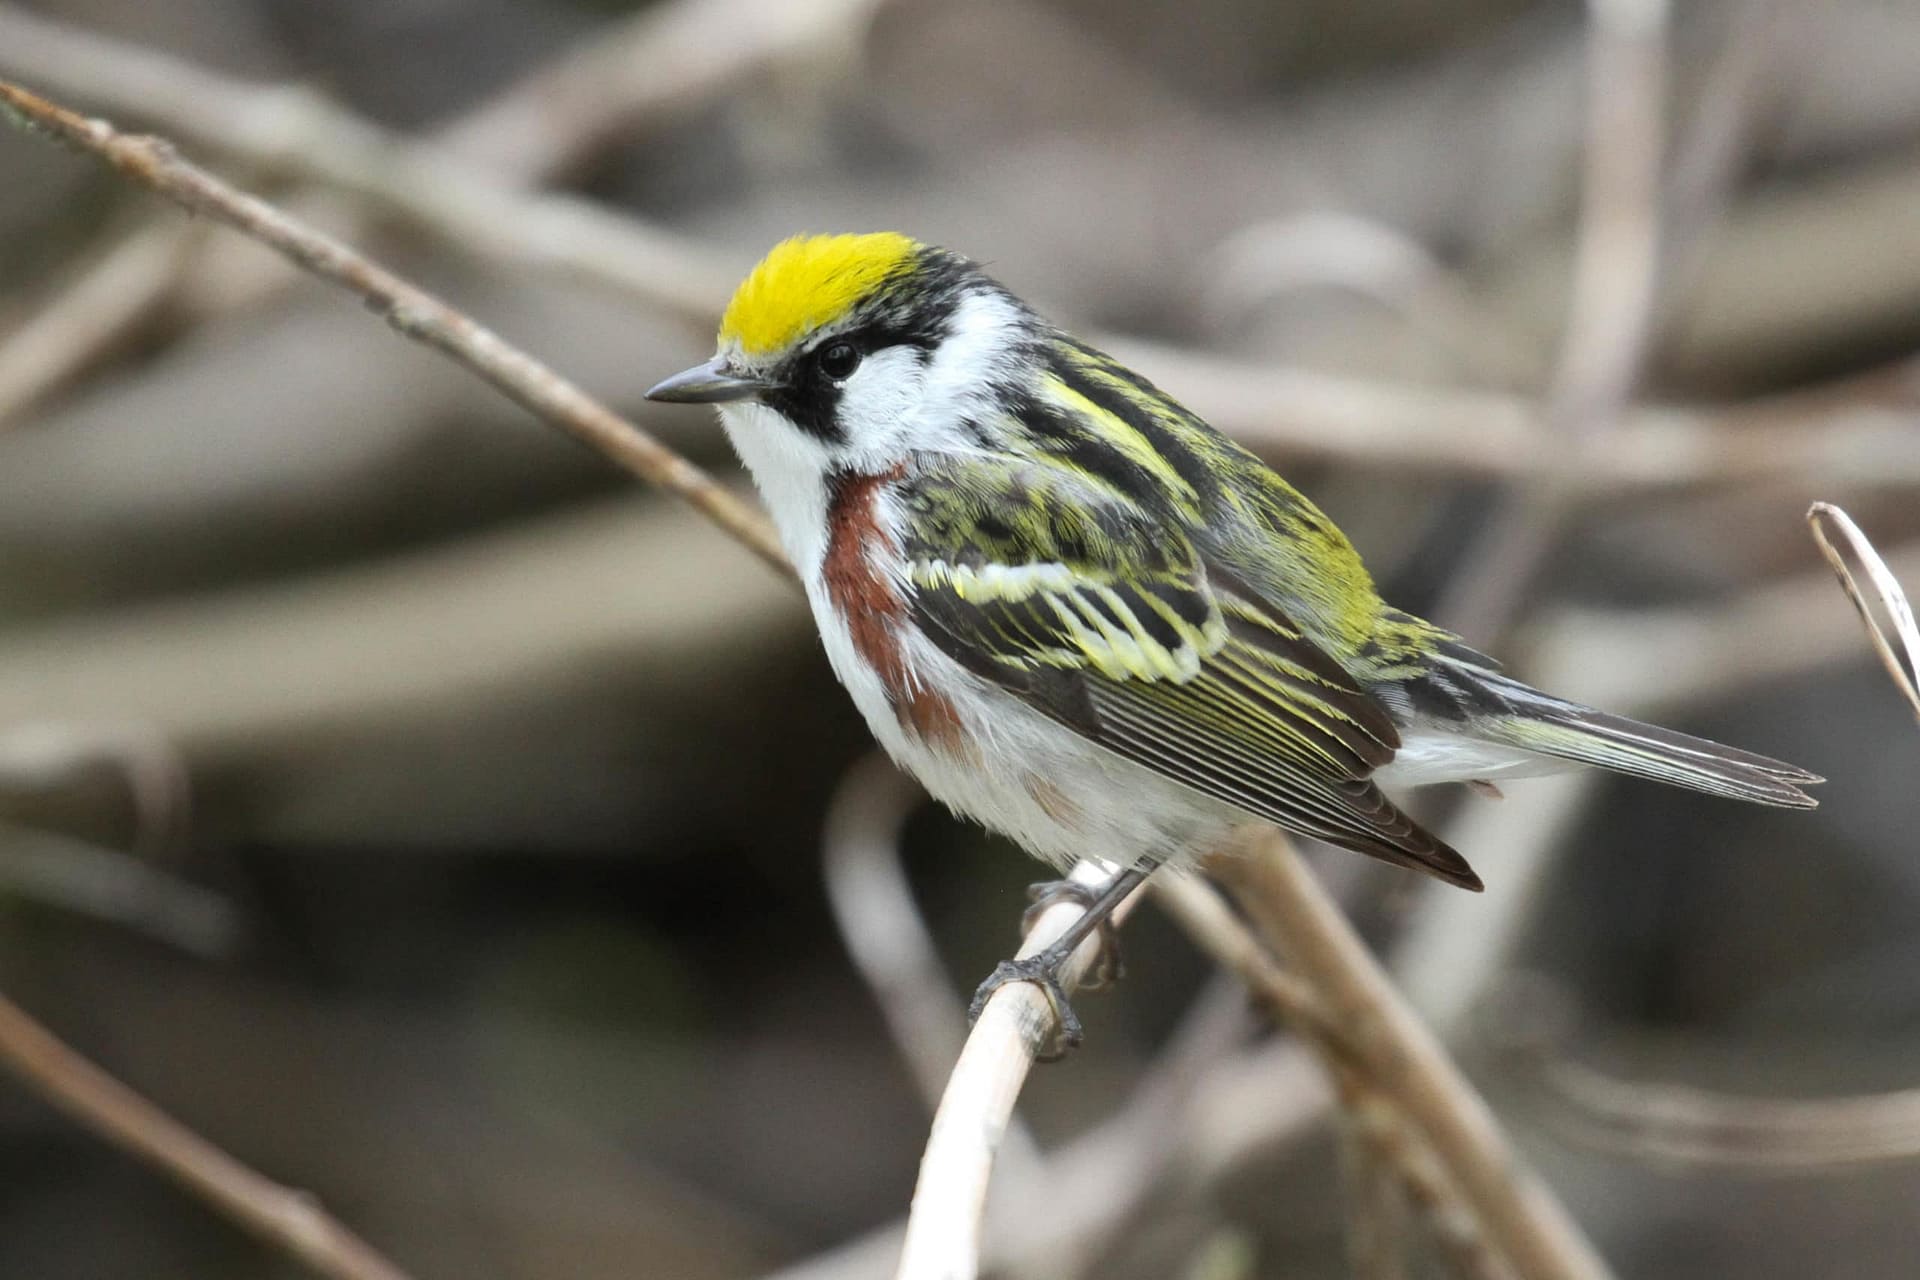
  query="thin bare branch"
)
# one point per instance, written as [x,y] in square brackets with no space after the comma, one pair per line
[279,1215]
[278,129]
[409,309]
[639,70]
[1894,636]
[1372,1118]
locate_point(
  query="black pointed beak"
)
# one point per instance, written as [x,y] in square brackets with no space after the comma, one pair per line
[709,383]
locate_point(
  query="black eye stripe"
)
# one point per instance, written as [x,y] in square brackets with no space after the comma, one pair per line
[810,407]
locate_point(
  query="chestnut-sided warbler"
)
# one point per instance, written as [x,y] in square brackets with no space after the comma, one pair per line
[1081,616]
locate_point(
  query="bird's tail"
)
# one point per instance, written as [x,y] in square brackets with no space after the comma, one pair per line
[1568,731]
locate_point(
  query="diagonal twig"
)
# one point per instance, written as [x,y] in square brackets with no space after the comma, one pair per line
[280,1215]
[277,128]
[1379,1124]
[109,301]
[410,309]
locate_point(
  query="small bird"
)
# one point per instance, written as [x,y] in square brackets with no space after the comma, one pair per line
[1084,618]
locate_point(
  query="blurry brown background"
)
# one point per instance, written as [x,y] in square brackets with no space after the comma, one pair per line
[406,801]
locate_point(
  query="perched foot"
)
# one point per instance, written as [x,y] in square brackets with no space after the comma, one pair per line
[1043,971]
[1106,967]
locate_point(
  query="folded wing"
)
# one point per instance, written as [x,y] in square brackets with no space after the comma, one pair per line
[1105,618]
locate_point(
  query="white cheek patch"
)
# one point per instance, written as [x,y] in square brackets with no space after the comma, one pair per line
[878,407]
[903,400]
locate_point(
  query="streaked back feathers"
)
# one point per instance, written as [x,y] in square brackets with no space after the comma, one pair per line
[1127,434]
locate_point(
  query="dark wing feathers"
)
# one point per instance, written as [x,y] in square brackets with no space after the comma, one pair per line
[1107,621]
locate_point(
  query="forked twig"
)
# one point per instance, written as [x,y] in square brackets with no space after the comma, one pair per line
[1896,639]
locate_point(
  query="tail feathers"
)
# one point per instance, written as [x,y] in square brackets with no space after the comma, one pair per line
[1581,734]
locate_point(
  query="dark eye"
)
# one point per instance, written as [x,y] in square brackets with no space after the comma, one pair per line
[838,360]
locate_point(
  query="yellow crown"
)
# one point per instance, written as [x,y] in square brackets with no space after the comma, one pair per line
[806,282]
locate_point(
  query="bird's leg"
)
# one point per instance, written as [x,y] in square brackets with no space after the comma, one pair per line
[1043,968]
[1107,966]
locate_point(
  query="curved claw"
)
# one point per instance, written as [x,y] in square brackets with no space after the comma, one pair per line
[1044,968]
[1043,971]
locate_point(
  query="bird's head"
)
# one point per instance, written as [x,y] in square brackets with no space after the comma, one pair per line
[851,352]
